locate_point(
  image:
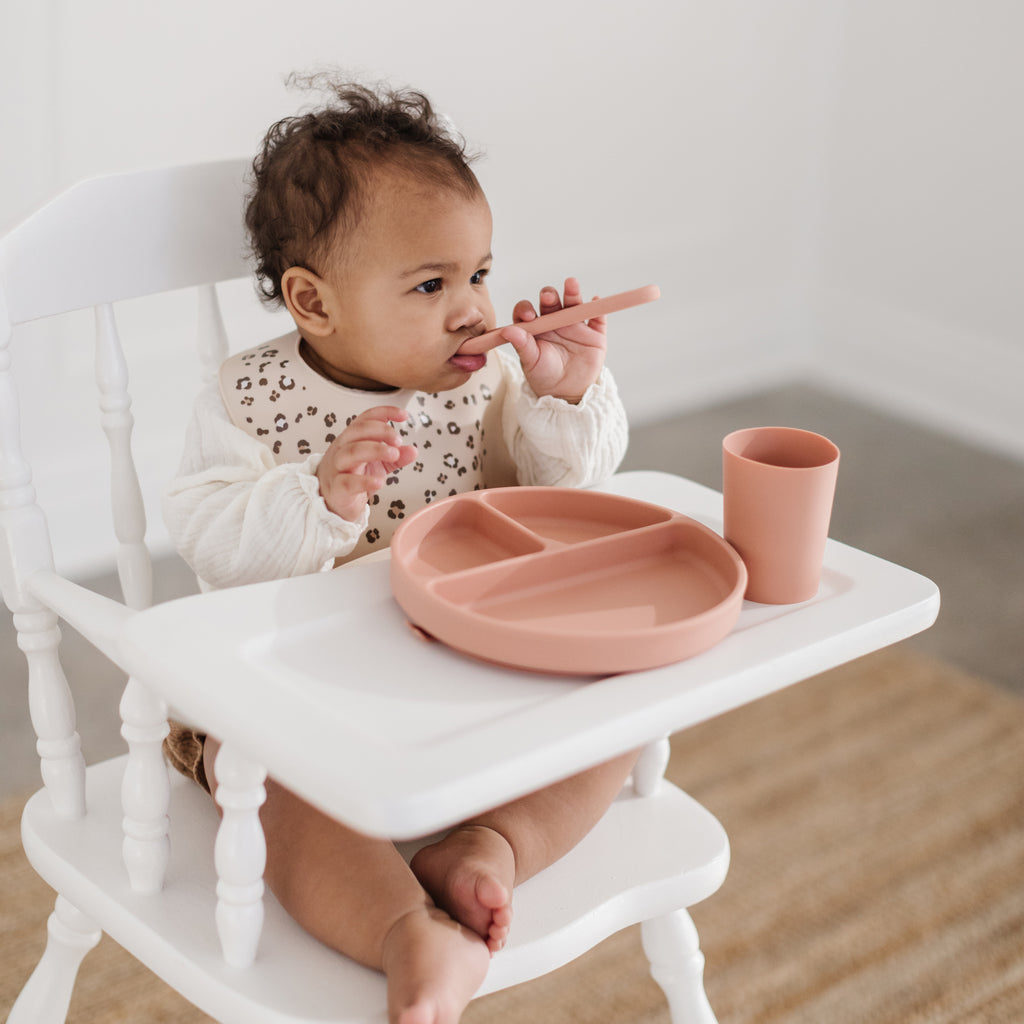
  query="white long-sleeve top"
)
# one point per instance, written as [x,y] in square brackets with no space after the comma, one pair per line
[241,509]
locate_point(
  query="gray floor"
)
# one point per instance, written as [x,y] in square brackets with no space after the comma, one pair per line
[943,508]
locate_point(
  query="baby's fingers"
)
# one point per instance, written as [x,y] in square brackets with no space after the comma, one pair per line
[523,311]
[598,323]
[383,414]
[346,494]
[374,425]
[524,343]
[549,300]
[359,455]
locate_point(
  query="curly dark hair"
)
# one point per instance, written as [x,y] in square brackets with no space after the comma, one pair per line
[312,172]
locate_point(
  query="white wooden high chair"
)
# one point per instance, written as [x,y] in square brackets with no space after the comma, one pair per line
[144,857]
[288,675]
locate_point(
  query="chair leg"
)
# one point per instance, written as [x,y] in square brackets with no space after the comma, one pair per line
[677,965]
[240,854]
[53,713]
[47,993]
[650,766]
[145,789]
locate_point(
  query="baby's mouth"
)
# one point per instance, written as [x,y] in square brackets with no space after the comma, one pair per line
[468,363]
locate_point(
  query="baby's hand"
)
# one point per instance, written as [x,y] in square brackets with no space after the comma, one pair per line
[563,363]
[360,458]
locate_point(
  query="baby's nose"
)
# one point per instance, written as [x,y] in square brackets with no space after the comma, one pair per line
[467,315]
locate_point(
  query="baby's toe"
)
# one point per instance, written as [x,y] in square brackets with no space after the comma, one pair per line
[490,893]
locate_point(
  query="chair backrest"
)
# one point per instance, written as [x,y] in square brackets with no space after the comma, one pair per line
[104,240]
[124,236]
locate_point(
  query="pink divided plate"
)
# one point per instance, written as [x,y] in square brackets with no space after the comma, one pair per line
[561,580]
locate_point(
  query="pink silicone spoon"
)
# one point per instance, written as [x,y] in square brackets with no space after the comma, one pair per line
[565,316]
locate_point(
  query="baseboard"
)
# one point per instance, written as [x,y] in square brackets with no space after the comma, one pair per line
[929,372]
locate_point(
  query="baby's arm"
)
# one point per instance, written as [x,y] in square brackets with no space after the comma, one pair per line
[555,443]
[236,517]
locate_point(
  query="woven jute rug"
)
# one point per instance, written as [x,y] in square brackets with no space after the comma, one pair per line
[876,815]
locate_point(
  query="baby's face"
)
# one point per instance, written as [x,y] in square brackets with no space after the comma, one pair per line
[410,291]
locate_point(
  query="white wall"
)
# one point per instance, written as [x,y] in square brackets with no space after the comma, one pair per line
[627,144]
[781,168]
[919,285]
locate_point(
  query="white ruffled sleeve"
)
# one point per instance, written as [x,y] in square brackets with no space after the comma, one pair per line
[554,443]
[237,517]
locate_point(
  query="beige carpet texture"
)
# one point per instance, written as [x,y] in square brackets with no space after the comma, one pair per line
[876,815]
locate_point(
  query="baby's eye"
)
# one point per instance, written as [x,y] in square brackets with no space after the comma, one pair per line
[478,277]
[429,287]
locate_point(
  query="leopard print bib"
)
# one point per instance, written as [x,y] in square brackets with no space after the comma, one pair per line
[272,394]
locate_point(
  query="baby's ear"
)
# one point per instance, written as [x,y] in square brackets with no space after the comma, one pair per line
[304,294]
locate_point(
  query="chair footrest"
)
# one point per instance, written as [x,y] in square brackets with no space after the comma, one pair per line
[646,857]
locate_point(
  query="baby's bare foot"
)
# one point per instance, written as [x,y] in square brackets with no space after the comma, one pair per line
[470,874]
[433,966]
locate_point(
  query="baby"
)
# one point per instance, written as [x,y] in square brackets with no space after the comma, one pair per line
[368,224]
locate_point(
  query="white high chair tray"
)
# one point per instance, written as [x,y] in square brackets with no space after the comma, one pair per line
[320,679]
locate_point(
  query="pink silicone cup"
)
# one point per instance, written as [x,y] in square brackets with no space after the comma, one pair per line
[564,317]
[778,487]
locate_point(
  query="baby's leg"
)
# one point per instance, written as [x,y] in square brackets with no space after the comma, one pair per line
[471,872]
[357,895]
